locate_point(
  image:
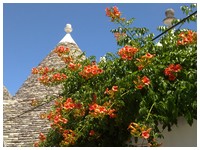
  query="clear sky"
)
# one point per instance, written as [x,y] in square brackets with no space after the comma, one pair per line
[31,31]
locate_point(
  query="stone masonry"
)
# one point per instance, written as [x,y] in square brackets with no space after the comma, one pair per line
[6,94]
[21,121]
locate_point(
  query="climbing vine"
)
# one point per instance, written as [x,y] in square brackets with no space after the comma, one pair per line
[127,94]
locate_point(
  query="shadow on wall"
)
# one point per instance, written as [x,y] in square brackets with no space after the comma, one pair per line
[182,135]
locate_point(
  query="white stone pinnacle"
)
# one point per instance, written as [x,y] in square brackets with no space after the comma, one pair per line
[67,37]
[68,28]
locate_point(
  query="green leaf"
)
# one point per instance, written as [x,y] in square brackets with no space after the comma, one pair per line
[143,111]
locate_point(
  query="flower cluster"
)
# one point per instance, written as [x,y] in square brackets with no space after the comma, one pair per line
[63,107]
[44,79]
[142,131]
[57,77]
[138,130]
[188,37]
[127,52]
[100,111]
[36,144]
[42,138]
[112,91]
[63,53]
[67,59]
[144,61]
[90,71]
[73,66]
[42,70]
[57,119]
[69,138]
[34,71]
[69,104]
[61,50]
[171,70]
[141,82]
[113,13]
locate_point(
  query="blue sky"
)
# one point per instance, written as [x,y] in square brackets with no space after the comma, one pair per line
[31,31]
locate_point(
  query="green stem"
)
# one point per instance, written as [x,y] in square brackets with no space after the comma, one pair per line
[150,111]
[126,29]
[87,122]
[125,93]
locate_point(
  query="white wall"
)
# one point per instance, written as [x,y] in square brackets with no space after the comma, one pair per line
[182,135]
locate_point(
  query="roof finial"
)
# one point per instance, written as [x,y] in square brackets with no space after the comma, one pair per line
[67,37]
[68,28]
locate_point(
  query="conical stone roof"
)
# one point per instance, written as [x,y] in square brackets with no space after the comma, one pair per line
[22,121]
[6,94]
[32,89]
